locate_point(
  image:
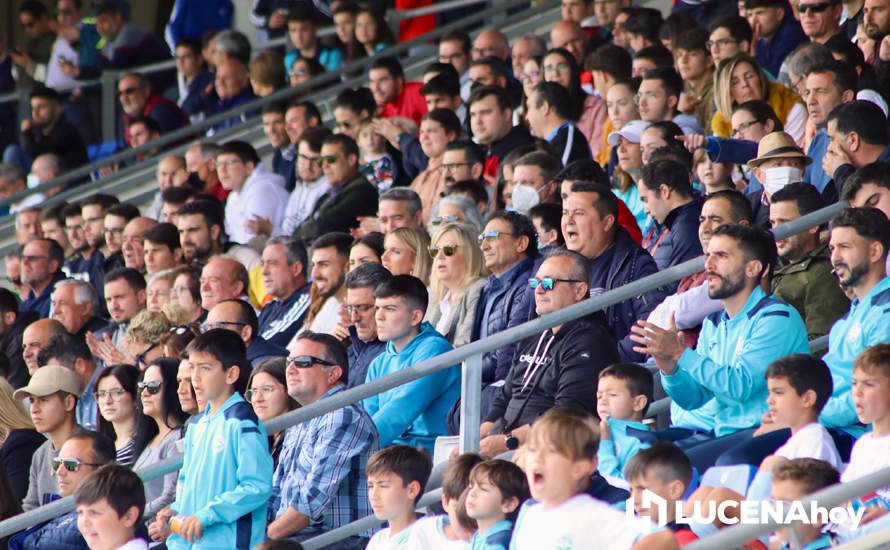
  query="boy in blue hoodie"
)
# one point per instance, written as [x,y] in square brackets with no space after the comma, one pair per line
[412,414]
[226,477]
[622,397]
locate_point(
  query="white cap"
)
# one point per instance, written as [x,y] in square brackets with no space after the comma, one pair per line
[632,132]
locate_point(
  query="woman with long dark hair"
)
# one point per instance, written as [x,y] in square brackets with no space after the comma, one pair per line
[589,113]
[119,418]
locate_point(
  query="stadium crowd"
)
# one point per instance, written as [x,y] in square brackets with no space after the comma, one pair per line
[515,180]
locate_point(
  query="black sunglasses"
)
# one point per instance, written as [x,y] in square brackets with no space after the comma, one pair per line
[153,387]
[308,361]
[815,8]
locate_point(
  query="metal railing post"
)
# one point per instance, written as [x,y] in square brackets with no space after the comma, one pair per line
[109,104]
[470,403]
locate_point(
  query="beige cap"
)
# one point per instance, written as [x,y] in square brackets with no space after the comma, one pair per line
[778,145]
[49,380]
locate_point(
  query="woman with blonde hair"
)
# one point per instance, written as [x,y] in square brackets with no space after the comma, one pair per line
[740,79]
[18,440]
[405,253]
[455,282]
[142,341]
[157,291]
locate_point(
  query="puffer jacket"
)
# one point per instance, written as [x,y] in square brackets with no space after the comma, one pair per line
[60,533]
[510,308]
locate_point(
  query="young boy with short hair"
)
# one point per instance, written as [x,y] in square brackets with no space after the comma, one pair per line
[497,489]
[455,529]
[792,481]
[561,456]
[622,397]
[110,502]
[397,476]
[226,477]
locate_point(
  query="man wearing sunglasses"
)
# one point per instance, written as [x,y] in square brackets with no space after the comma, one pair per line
[413,414]
[82,453]
[320,479]
[820,19]
[349,194]
[557,368]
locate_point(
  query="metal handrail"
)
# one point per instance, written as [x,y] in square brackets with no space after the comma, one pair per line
[453,357]
[256,105]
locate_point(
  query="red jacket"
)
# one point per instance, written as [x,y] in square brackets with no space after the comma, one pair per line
[410,104]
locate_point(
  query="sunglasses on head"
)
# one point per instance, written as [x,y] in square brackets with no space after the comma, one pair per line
[546,283]
[308,361]
[71,464]
[153,387]
[448,250]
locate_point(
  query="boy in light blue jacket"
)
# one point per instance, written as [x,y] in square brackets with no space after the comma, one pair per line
[623,394]
[414,413]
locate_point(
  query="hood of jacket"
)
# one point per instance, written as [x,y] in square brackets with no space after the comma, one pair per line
[427,331]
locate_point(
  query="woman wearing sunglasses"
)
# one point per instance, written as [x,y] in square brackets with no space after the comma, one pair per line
[159,402]
[119,418]
[455,282]
[267,394]
[404,253]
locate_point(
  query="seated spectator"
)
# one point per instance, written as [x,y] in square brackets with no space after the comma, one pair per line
[73,303]
[408,468]
[18,441]
[310,182]
[330,261]
[54,392]
[320,482]
[546,218]
[186,294]
[465,160]
[589,225]
[228,45]
[611,66]
[397,208]
[728,37]
[793,480]
[364,346]
[161,248]
[804,277]
[141,130]
[200,162]
[12,181]
[65,350]
[11,331]
[548,117]
[588,111]
[37,334]
[283,152]
[455,526]
[743,68]
[366,250]
[192,76]
[394,96]
[266,73]
[496,490]
[41,270]
[455,282]
[581,348]
[284,275]
[157,395]
[138,99]
[458,208]
[626,171]
[46,167]
[372,32]
[857,119]
[651,58]
[89,265]
[403,253]
[222,278]
[116,493]
[414,412]
[125,297]
[443,92]
[696,67]
[52,225]
[868,186]
[779,32]
[202,235]
[662,134]
[491,120]
[125,44]
[239,317]
[454,49]
[157,290]
[738,259]
[232,87]
[375,163]
[171,172]
[666,193]
[659,95]
[302,29]
[210,505]
[119,419]
[47,131]
[623,394]
[172,200]
[81,453]
[31,61]
[532,182]
[253,191]
[351,107]
[574,440]
[349,194]
[267,395]
[134,242]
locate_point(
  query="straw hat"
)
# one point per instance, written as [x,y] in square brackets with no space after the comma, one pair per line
[778,145]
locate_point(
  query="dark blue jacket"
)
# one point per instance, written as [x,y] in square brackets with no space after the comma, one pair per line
[676,240]
[223,105]
[734,151]
[789,36]
[60,533]
[40,304]
[284,168]
[360,356]
[90,270]
[192,18]
[193,102]
[509,308]
[281,319]
[414,160]
[844,171]
[259,350]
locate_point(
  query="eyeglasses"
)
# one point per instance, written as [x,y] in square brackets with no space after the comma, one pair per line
[205,326]
[265,391]
[326,159]
[226,163]
[140,359]
[308,158]
[546,283]
[448,250]
[720,43]
[531,75]
[308,361]
[556,69]
[489,236]
[737,131]
[815,8]
[115,393]
[454,166]
[127,91]
[153,387]
[439,220]
[71,464]
[360,308]
[114,231]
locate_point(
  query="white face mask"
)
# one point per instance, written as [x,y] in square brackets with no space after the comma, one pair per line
[525,197]
[777,177]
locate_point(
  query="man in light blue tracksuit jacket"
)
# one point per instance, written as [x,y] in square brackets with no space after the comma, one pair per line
[414,413]
[734,346]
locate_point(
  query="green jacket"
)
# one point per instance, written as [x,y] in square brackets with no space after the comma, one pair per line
[356,198]
[810,287]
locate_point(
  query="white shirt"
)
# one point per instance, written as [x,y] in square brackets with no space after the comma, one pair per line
[869,455]
[327,318]
[429,534]
[580,522]
[135,544]
[263,195]
[811,441]
[55,78]
[382,540]
[30,200]
[301,203]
